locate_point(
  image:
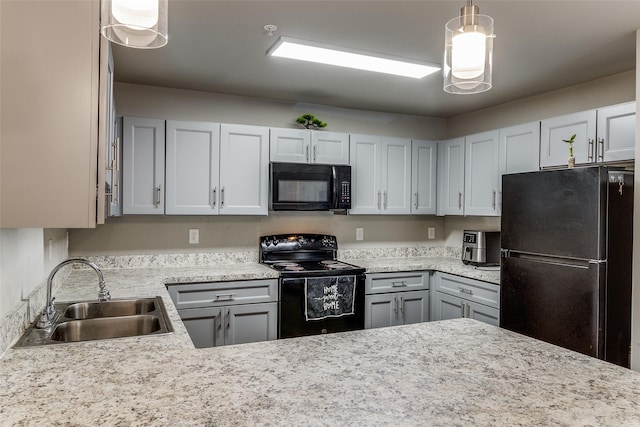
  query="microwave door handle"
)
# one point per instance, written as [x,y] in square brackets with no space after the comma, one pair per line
[334,181]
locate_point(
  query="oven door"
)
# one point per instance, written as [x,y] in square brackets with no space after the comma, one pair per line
[301,187]
[295,320]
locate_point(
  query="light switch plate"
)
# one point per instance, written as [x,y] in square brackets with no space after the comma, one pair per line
[431,233]
[359,233]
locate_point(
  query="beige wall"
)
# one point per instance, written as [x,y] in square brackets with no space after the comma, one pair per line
[598,93]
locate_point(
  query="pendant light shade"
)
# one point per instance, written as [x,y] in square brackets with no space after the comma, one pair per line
[468,52]
[140,24]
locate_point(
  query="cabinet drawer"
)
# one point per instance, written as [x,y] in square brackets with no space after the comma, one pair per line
[468,289]
[378,283]
[217,294]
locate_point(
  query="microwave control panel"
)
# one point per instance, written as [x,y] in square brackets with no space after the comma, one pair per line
[345,194]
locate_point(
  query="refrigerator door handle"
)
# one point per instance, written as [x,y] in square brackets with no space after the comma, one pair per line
[550,259]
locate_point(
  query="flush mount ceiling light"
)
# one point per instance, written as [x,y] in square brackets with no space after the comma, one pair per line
[303,50]
[140,24]
[468,52]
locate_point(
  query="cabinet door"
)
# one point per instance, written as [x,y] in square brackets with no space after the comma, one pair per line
[289,145]
[381,310]
[192,168]
[395,180]
[555,152]
[483,313]
[414,306]
[49,144]
[423,177]
[250,323]
[617,132]
[365,174]
[481,174]
[244,170]
[143,143]
[204,326]
[331,148]
[520,148]
[451,177]
[445,307]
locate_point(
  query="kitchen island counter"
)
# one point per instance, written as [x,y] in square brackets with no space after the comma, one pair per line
[457,372]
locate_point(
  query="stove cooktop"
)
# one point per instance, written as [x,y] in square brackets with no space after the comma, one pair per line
[316,268]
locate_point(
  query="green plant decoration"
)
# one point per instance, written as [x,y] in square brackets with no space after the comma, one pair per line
[570,142]
[309,121]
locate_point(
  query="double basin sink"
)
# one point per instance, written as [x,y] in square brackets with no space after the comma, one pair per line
[92,320]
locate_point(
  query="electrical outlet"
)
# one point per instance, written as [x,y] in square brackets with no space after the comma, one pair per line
[194,236]
[431,233]
[359,233]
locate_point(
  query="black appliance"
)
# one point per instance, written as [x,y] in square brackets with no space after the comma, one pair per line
[566,259]
[310,187]
[317,293]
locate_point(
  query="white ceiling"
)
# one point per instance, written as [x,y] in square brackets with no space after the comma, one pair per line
[219,46]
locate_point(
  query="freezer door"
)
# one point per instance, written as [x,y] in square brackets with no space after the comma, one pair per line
[559,213]
[554,300]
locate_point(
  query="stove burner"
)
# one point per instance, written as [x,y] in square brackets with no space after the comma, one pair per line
[336,266]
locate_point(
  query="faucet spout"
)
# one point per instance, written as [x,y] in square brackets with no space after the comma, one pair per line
[50,314]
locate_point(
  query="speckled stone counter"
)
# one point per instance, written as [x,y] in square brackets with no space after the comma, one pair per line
[451,373]
[443,264]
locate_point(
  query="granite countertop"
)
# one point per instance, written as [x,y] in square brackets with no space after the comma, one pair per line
[456,372]
[443,264]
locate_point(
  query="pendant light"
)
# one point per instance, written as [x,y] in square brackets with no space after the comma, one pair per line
[140,24]
[468,52]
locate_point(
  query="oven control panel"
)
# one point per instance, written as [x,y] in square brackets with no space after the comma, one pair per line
[293,242]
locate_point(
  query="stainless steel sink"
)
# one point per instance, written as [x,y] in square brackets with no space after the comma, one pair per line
[93,320]
[91,310]
[106,328]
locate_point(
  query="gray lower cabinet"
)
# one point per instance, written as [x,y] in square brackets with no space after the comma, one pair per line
[455,297]
[396,299]
[224,313]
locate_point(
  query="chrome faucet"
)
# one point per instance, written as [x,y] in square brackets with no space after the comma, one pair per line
[49,314]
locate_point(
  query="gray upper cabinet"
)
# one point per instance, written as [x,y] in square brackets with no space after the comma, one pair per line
[306,146]
[482,174]
[192,168]
[381,175]
[616,130]
[143,147]
[244,170]
[424,161]
[451,177]
[520,148]
[555,152]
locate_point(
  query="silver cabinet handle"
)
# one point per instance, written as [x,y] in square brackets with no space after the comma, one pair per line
[399,283]
[461,309]
[307,151]
[225,297]
[217,325]
[600,149]
[228,319]
[468,311]
[402,305]
[494,199]
[395,306]
[378,199]
[465,291]
[590,149]
[215,190]
[416,197]
[157,198]
[459,200]
[222,197]
[314,153]
[385,199]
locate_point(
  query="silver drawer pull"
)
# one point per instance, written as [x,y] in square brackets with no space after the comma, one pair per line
[466,291]
[225,297]
[399,284]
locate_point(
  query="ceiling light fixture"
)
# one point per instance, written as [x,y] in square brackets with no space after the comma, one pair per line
[468,52]
[287,47]
[140,24]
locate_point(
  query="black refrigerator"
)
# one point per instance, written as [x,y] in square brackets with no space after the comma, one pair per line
[566,259]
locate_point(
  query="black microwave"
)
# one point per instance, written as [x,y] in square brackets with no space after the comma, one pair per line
[309,187]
